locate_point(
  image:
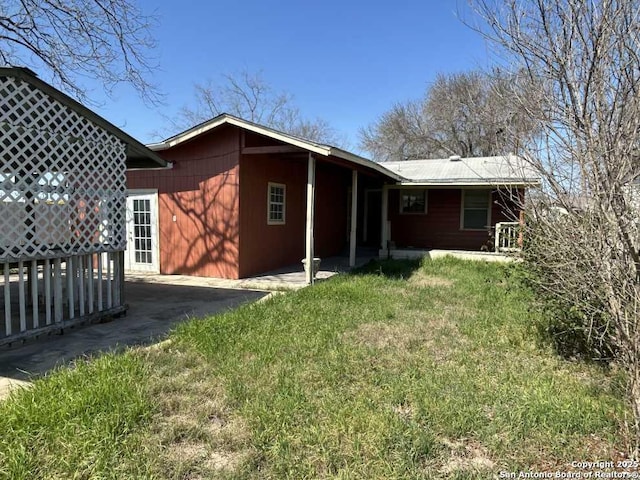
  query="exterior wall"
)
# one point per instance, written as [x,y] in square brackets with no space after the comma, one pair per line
[440,226]
[266,247]
[202,193]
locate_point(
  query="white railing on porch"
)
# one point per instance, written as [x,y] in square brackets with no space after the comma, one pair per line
[507,237]
[53,293]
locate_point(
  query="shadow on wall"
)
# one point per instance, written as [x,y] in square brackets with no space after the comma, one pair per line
[199,231]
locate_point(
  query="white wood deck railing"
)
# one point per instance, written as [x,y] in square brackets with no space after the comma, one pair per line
[507,237]
[54,293]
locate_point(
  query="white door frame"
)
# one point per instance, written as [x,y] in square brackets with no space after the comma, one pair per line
[365,226]
[130,264]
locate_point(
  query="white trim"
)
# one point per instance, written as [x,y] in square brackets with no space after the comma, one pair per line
[385,232]
[458,184]
[311,208]
[155,231]
[365,220]
[284,203]
[141,191]
[135,169]
[488,224]
[354,218]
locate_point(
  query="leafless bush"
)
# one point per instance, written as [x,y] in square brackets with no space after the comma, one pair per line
[583,59]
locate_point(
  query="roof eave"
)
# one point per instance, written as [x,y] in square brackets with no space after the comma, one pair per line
[319,149]
[351,157]
[231,120]
[471,183]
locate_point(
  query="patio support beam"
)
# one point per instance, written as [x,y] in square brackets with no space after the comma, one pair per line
[311,187]
[354,218]
[384,234]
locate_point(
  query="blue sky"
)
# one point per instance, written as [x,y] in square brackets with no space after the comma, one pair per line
[344,61]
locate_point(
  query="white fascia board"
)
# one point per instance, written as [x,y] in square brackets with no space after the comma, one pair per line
[189,134]
[534,183]
[336,152]
[296,142]
[168,167]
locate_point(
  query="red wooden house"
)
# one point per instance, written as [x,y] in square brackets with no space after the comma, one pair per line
[243,199]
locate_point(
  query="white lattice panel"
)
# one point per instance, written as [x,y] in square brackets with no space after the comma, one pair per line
[62,178]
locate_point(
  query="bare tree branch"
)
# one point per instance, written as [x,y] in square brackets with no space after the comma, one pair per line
[582,57]
[108,40]
[463,114]
[248,96]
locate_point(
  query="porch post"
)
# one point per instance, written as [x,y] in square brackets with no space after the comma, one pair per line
[354,218]
[311,186]
[384,234]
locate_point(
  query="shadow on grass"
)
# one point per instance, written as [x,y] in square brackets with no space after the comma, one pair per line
[395,269]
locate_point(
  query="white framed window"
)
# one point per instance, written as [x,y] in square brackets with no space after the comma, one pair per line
[276,203]
[413,201]
[475,210]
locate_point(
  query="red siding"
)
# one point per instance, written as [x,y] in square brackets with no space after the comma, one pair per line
[266,247]
[440,227]
[202,192]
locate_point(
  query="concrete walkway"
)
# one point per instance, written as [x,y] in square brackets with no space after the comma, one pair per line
[288,278]
[154,309]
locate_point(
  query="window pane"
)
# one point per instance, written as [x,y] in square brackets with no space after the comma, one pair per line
[413,201]
[475,218]
[276,203]
[476,199]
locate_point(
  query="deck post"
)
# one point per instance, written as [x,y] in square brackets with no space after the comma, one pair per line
[7,299]
[47,290]
[354,218]
[34,293]
[384,234]
[311,186]
[21,297]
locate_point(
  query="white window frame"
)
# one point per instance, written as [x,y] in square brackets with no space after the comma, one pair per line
[271,221]
[409,191]
[488,224]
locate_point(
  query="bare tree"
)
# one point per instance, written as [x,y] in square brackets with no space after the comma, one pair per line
[464,114]
[105,39]
[584,59]
[250,97]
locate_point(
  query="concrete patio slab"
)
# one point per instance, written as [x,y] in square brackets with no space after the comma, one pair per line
[287,278]
[154,309]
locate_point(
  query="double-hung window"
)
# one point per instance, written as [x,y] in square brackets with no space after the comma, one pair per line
[413,201]
[476,212]
[276,203]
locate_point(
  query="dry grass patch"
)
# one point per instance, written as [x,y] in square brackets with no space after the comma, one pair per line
[437,336]
[465,456]
[198,435]
[420,278]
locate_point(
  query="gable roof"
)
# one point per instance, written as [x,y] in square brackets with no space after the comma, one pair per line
[138,155]
[313,147]
[498,170]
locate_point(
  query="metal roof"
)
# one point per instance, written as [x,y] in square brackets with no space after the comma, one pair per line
[498,170]
[138,155]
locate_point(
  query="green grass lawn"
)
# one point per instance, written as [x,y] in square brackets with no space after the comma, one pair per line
[400,371]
